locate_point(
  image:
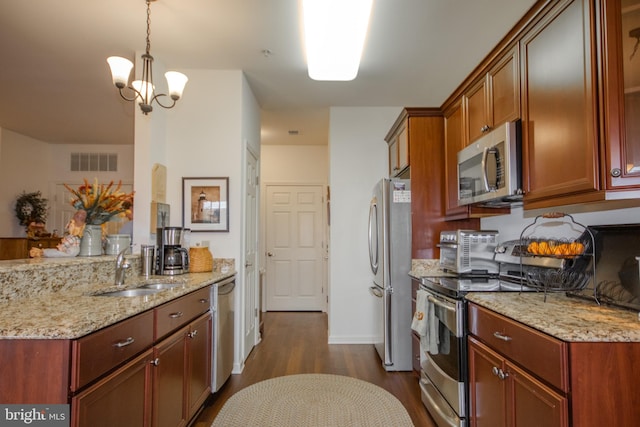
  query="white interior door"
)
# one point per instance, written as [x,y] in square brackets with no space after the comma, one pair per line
[250,275]
[295,248]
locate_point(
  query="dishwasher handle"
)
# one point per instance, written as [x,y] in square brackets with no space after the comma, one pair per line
[227,288]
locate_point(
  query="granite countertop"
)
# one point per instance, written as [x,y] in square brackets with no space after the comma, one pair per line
[566,318]
[427,268]
[56,299]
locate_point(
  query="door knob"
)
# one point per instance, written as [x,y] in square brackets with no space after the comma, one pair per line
[247,264]
[269,253]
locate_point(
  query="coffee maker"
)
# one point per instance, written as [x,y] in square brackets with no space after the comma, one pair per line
[172,258]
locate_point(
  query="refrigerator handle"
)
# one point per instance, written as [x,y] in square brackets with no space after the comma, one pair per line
[376,291]
[373,235]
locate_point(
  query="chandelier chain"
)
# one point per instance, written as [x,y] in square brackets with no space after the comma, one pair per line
[148,26]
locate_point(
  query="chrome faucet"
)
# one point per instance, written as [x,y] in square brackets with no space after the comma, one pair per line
[121,267]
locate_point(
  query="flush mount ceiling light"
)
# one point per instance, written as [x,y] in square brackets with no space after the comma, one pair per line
[143,91]
[334,32]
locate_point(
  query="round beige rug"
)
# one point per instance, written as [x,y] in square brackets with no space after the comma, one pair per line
[313,400]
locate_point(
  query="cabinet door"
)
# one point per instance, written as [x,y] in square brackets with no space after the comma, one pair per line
[393,158]
[454,142]
[199,363]
[504,89]
[622,92]
[477,120]
[559,126]
[532,403]
[487,392]
[403,148]
[169,381]
[120,399]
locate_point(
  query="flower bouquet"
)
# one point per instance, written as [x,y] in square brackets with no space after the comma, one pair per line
[101,202]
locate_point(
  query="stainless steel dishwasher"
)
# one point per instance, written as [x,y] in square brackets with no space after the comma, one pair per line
[222,309]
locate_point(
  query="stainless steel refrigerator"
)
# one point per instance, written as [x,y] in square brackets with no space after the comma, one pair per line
[390,258]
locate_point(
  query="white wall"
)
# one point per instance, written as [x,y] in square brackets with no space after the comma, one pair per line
[284,164]
[358,159]
[28,164]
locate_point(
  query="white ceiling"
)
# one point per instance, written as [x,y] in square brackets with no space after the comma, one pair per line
[56,85]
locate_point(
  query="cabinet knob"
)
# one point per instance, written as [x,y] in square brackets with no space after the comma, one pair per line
[192,334]
[616,172]
[499,373]
[155,362]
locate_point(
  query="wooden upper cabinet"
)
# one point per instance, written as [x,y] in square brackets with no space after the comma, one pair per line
[398,140]
[559,107]
[494,99]
[504,88]
[453,142]
[620,35]
[476,111]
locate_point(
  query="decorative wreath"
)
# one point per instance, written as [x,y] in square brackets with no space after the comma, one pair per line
[31,207]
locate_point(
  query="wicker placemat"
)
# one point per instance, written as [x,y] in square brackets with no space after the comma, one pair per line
[313,400]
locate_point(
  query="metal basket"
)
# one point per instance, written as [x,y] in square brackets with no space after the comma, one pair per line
[573,268]
[557,280]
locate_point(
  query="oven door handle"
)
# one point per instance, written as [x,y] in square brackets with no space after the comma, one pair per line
[439,303]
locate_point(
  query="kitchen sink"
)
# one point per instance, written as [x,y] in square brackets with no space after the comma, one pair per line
[161,285]
[136,292]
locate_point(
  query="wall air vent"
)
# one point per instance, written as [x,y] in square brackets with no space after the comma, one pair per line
[94,162]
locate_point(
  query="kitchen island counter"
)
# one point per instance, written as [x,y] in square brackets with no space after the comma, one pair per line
[566,318]
[56,299]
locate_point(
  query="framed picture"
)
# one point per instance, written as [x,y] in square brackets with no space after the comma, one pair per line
[205,204]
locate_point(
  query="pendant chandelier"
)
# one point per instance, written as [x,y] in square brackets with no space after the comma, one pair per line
[143,91]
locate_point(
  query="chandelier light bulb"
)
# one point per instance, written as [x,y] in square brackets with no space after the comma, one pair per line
[176,82]
[120,70]
[143,90]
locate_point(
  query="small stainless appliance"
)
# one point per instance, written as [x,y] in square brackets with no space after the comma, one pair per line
[468,252]
[171,257]
[489,168]
[390,260]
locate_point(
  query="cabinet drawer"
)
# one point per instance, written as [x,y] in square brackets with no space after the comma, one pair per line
[107,348]
[175,314]
[540,354]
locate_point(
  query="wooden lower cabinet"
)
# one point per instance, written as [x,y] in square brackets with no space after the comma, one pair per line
[163,387]
[519,376]
[120,399]
[199,367]
[182,373]
[502,394]
[169,377]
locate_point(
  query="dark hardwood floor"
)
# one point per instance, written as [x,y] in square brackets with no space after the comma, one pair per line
[296,343]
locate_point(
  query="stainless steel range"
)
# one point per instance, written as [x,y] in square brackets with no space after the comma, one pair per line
[468,259]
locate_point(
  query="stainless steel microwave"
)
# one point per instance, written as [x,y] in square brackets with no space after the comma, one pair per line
[489,168]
